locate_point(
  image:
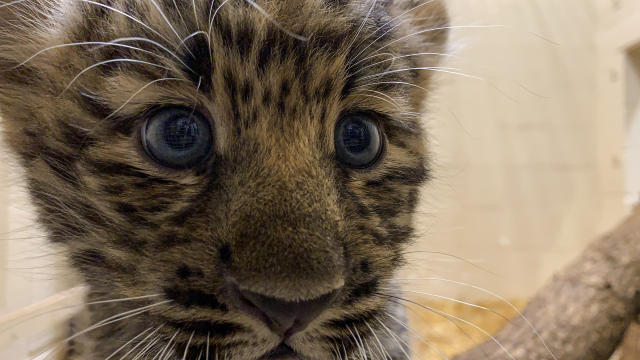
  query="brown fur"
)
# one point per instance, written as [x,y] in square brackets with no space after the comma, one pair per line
[272,208]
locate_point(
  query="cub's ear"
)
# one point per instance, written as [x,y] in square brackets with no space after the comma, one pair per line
[424,25]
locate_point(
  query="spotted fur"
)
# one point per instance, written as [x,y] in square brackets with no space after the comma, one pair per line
[271,207]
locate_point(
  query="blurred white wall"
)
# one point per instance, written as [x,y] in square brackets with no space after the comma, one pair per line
[632,150]
[32,276]
[528,160]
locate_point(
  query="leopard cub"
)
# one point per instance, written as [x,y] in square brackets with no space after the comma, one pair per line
[237,178]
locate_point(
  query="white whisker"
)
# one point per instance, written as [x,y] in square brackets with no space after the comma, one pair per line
[458,302]
[451,256]
[11,3]
[78,44]
[208,335]
[175,5]
[395,339]
[127,16]
[165,19]
[392,59]
[276,23]
[109,62]
[391,82]
[497,296]
[391,100]
[155,43]
[113,319]
[427,68]
[186,349]
[127,343]
[364,22]
[355,339]
[139,91]
[195,14]
[212,17]
[385,100]
[382,351]
[426,341]
[389,22]
[139,343]
[344,348]
[147,348]
[192,35]
[164,350]
[449,316]
[75,306]
[438,28]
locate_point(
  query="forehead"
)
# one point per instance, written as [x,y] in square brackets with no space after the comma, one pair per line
[288,59]
[202,32]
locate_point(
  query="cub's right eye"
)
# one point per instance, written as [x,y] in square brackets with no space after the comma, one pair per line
[177,137]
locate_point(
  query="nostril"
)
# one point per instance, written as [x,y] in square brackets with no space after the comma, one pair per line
[285,318]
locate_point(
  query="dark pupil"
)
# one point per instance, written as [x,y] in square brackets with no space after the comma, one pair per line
[356,137]
[180,133]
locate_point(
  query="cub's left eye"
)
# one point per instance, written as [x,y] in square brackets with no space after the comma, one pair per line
[358,141]
[177,137]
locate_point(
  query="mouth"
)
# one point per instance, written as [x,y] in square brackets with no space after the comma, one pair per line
[282,352]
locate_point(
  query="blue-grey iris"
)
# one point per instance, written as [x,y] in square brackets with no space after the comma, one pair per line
[358,141]
[177,137]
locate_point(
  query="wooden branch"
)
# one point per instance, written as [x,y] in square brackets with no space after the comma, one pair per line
[583,312]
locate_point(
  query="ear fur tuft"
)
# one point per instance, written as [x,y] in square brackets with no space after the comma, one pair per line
[425,28]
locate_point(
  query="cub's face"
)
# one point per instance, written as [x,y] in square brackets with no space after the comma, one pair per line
[248,169]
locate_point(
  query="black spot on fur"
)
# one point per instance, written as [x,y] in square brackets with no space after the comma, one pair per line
[76,138]
[184,272]
[89,257]
[93,104]
[61,164]
[171,239]
[125,208]
[348,86]
[285,88]
[226,33]
[246,91]
[399,234]
[326,89]
[264,57]
[198,60]
[354,320]
[132,214]
[245,39]
[114,168]
[224,254]
[114,189]
[362,290]
[266,97]
[232,92]
[407,175]
[378,238]
[152,209]
[219,330]
[412,199]
[365,267]
[150,182]
[190,297]
[387,210]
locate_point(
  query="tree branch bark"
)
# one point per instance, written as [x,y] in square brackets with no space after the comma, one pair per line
[583,312]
